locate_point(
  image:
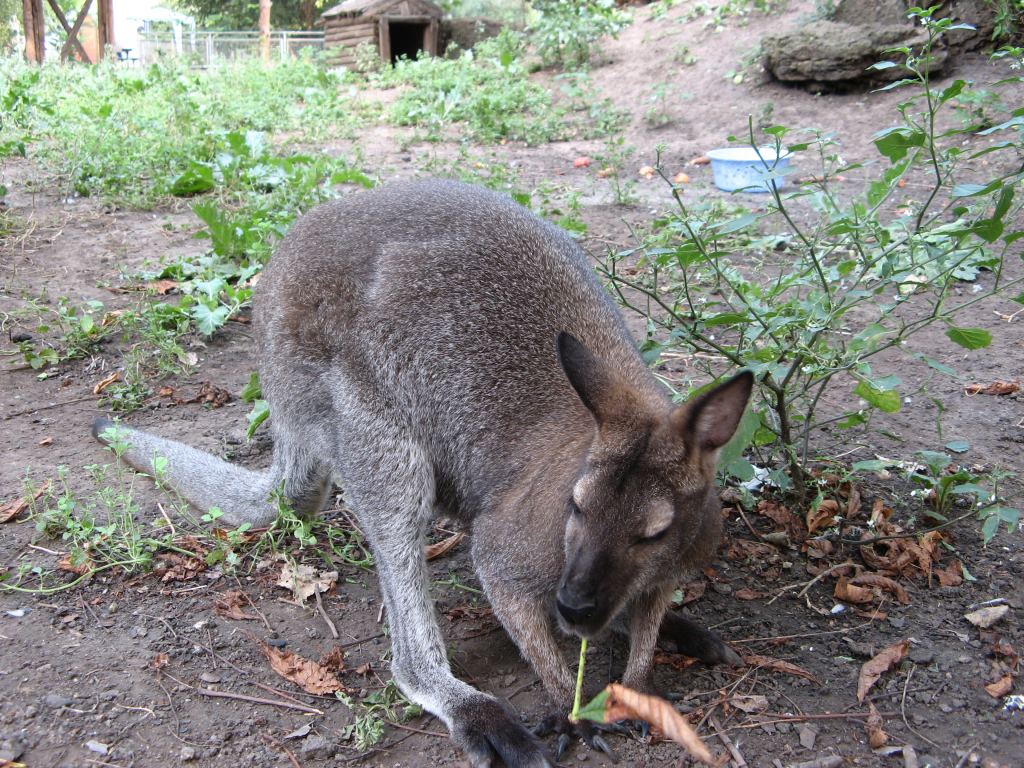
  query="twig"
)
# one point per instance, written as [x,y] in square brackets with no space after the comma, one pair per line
[903,709]
[323,613]
[258,700]
[416,730]
[807,585]
[258,611]
[360,642]
[271,741]
[733,750]
[739,508]
[174,531]
[800,718]
[27,411]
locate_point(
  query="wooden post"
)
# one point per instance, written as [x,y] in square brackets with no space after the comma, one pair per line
[105,25]
[384,39]
[265,29]
[34,24]
[72,31]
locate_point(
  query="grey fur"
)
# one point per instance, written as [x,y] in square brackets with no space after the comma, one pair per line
[407,346]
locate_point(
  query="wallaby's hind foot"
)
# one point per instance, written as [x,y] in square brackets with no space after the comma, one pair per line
[691,639]
[484,730]
[243,495]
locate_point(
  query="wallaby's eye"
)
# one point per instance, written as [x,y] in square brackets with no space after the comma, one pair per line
[651,539]
[574,509]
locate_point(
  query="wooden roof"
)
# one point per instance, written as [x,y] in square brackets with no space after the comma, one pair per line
[383,8]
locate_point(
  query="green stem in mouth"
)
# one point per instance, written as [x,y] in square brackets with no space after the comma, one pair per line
[574,716]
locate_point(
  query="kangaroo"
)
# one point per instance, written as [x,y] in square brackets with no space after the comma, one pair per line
[437,349]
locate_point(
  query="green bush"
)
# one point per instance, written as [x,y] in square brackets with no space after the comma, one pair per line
[567,33]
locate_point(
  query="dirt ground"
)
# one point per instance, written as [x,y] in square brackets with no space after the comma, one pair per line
[118,672]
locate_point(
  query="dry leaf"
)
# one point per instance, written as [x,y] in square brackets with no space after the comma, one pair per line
[822,516]
[159,661]
[433,551]
[303,580]
[950,576]
[626,704]
[750,704]
[749,594]
[161,287]
[777,665]
[79,566]
[875,667]
[681,178]
[647,172]
[702,160]
[785,520]
[45,441]
[693,591]
[604,173]
[881,582]
[674,660]
[581,162]
[877,738]
[1000,687]
[850,593]
[995,388]
[11,509]
[987,616]
[308,675]
[172,566]
[102,384]
[334,660]
[229,605]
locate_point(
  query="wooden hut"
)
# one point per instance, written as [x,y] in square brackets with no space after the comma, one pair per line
[394,27]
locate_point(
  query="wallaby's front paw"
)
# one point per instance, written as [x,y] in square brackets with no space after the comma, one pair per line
[484,730]
[568,732]
[690,639]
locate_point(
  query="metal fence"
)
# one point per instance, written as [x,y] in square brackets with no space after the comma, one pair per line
[205,48]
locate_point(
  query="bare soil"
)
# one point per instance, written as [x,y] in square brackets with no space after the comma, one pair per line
[77,667]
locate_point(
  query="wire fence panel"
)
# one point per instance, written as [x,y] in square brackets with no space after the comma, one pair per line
[202,49]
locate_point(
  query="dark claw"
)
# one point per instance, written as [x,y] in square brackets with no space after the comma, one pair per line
[644,727]
[598,742]
[564,739]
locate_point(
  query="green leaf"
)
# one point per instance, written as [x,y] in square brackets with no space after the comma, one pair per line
[740,440]
[989,528]
[887,400]
[969,338]
[870,465]
[894,142]
[594,709]
[194,181]
[880,65]
[209,320]
[252,391]
[260,412]
[958,446]
[741,469]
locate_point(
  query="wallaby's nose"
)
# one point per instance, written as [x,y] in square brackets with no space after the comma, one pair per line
[574,608]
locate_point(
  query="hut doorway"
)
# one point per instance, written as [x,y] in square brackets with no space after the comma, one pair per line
[408,38]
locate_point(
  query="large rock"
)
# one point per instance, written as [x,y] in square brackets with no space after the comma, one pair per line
[980,14]
[831,54]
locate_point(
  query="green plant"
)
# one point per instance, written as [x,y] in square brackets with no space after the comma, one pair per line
[374,711]
[612,163]
[811,307]
[567,33]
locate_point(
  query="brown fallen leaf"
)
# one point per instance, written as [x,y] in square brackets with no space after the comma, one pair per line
[647,172]
[995,388]
[161,287]
[437,549]
[681,178]
[604,173]
[879,664]
[851,593]
[693,591]
[11,509]
[950,576]
[784,520]
[308,675]
[750,704]
[877,738]
[334,660]
[77,563]
[988,615]
[159,661]
[173,566]
[881,582]
[229,605]
[777,665]
[749,594]
[303,580]
[1000,687]
[45,441]
[822,516]
[105,382]
[626,704]
[701,160]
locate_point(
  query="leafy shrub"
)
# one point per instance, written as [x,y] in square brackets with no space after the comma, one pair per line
[808,309]
[567,33]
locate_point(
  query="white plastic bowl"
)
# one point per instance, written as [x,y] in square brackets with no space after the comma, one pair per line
[751,169]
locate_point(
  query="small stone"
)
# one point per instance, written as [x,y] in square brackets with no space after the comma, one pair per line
[138,631]
[920,655]
[210,677]
[897,622]
[30,711]
[807,736]
[110,695]
[316,746]
[187,753]
[56,700]
[98,747]
[722,588]
[276,642]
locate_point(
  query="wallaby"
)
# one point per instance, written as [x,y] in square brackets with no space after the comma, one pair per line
[439,350]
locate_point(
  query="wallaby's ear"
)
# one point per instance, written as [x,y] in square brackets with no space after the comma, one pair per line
[711,418]
[590,377]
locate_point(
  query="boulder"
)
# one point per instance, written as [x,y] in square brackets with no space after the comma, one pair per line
[836,55]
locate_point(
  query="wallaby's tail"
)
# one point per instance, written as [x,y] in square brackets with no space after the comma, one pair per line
[200,478]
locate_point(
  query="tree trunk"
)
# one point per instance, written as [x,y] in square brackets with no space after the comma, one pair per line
[34,24]
[265,29]
[307,13]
